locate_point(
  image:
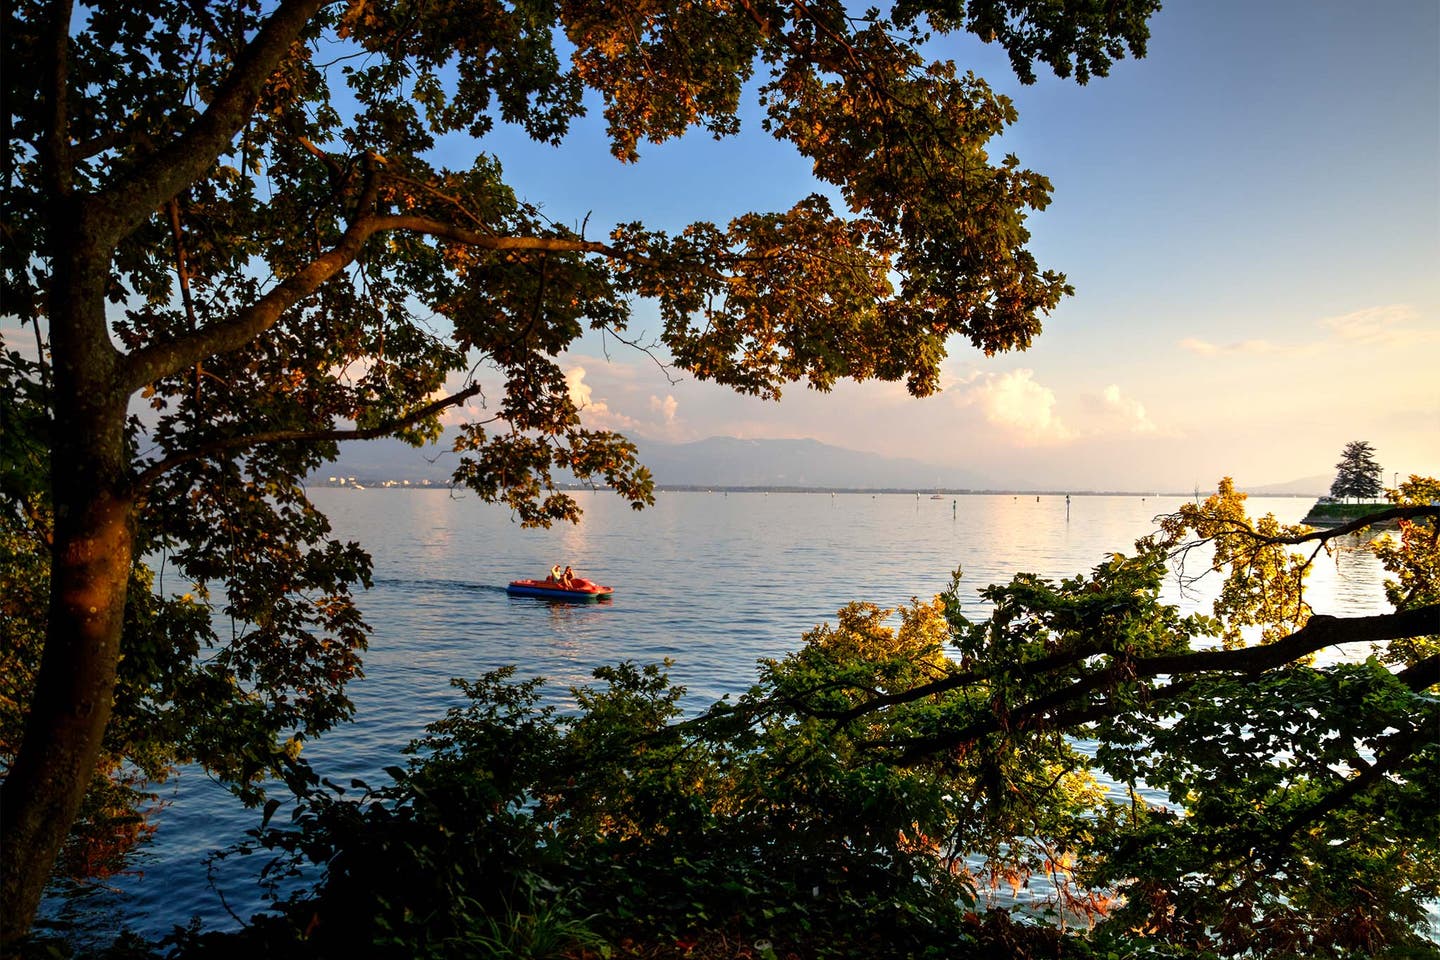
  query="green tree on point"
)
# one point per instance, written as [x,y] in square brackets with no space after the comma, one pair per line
[1357,473]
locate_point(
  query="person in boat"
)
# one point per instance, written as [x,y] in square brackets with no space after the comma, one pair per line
[567,579]
[555,575]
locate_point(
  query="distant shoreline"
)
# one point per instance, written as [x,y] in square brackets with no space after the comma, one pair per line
[947,492]
[849,491]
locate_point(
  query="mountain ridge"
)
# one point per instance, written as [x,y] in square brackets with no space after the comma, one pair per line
[736,462]
[712,462]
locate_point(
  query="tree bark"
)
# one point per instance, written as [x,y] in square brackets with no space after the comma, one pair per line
[90,570]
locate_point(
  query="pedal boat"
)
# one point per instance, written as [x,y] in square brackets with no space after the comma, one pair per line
[580,589]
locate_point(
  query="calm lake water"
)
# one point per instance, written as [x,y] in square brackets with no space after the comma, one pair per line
[712,581]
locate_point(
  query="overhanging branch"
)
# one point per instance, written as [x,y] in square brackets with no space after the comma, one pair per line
[1317,634]
[154,471]
[1240,528]
[489,241]
[1071,705]
[163,359]
[1361,523]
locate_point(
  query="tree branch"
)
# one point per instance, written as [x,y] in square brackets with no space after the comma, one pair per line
[337,171]
[1320,632]
[1403,747]
[1331,533]
[182,270]
[1422,675]
[162,359]
[950,681]
[126,203]
[489,241]
[84,150]
[154,471]
[1382,516]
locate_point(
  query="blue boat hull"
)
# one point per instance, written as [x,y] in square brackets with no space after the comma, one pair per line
[523,589]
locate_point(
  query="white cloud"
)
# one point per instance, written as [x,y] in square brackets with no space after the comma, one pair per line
[595,412]
[610,396]
[1024,408]
[666,408]
[1027,413]
[1128,411]
[580,392]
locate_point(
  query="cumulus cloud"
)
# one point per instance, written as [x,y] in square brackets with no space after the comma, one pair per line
[609,397]
[594,411]
[580,393]
[1030,413]
[1129,412]
[665,408]
[1017,403]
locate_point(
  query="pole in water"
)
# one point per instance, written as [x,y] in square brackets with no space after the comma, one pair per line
[1067,508]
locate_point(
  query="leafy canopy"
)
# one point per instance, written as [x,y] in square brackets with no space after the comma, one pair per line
[236,213]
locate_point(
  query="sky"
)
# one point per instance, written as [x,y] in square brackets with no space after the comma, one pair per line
[1250,217]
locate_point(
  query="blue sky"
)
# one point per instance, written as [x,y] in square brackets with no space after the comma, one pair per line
[1250,216]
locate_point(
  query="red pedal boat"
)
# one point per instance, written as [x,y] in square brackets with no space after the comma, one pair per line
[579,589]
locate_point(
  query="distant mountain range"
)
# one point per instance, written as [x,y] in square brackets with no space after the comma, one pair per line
[732,462]
[1312,486]
[716,462]
[375,461]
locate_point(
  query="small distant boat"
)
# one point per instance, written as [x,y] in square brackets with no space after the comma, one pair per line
[936,496]
[579,589]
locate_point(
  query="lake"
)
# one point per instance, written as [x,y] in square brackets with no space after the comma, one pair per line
[713,581]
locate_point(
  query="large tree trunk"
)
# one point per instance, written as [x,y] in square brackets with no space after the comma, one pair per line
[90,571]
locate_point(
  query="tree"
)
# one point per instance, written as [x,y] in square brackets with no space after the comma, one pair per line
[196,218]
[878,778]
[1358,475]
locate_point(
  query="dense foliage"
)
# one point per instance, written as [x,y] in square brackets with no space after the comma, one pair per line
[1357,474]
[880,786]
[238,213]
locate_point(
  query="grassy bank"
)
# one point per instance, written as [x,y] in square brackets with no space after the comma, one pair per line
[1334,514]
